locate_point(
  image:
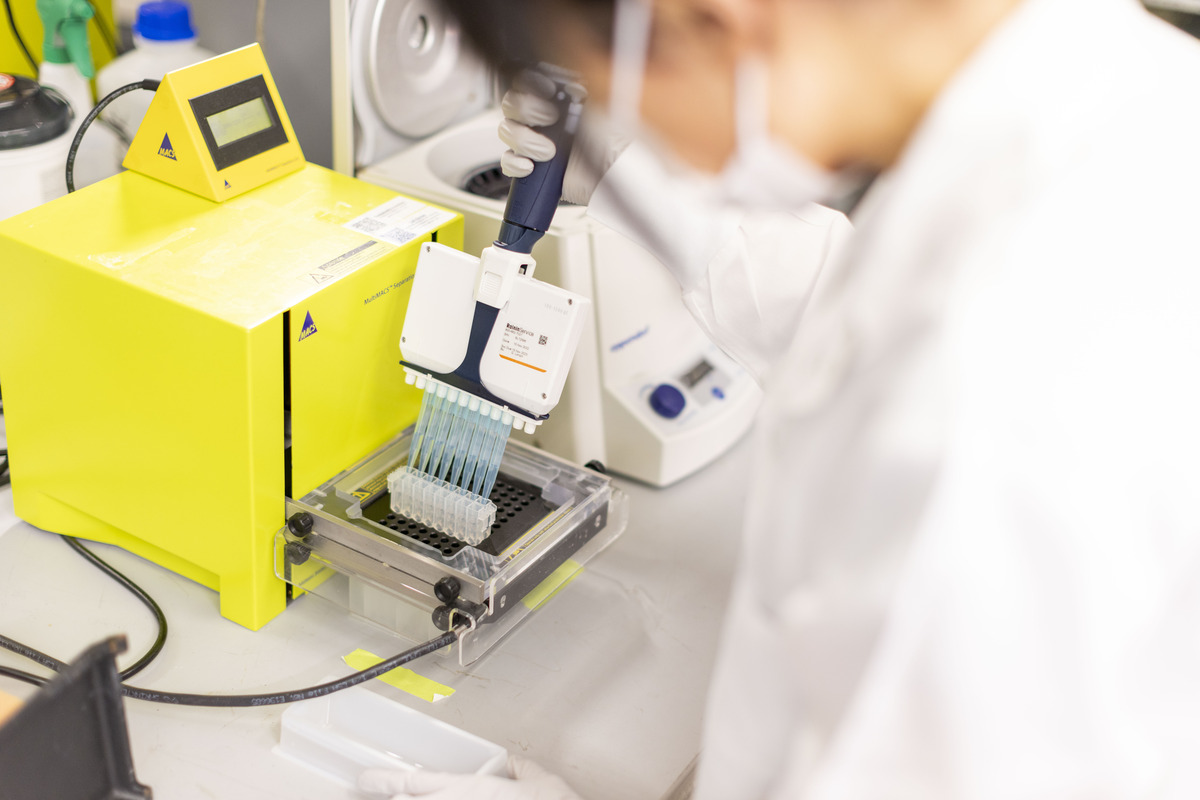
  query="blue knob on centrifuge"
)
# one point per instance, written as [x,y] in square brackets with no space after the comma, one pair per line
[667,401]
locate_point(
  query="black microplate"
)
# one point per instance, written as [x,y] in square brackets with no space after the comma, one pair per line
[519,506]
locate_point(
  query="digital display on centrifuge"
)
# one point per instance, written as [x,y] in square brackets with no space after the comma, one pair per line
[240,121]
[696,374]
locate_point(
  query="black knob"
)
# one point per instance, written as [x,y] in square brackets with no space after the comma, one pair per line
[596,466]
[300,524]
[442,617]
[447,590]
[296,553]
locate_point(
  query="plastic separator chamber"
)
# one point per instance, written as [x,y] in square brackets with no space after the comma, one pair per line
[344,542]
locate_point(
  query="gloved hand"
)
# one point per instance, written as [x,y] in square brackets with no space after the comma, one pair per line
[595,150]
[526,781]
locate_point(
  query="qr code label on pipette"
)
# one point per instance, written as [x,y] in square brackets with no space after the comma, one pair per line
[399,221]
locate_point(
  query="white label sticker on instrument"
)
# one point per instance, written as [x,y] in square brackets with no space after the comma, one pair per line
[347,262]
[399,221]
[522,346]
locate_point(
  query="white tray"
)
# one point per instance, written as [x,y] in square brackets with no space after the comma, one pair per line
[347,732]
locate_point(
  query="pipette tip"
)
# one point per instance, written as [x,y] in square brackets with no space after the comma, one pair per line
[423,381]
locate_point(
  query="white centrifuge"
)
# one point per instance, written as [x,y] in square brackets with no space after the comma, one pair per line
[648,396]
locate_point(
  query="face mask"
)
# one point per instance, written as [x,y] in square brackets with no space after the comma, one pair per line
[764,172]
[631,42]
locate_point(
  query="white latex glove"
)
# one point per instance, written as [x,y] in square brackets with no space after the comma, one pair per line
[526,781]
[596,148]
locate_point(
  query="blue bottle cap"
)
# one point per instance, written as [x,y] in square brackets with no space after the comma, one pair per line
[164,21]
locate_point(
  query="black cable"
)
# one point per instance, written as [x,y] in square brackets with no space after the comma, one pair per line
[250,700]
[91,117]
[12,24]
[137,592]
[53,663]
[33,655]
[247,700]
[50,662]
[208,700]
[16,674]
[105,33]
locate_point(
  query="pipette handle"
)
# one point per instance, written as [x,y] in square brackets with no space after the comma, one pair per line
[533,199]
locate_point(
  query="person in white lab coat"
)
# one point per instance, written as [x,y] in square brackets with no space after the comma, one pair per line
[971,565]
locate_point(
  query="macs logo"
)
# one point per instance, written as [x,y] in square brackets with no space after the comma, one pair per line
[165,149]
[309,328]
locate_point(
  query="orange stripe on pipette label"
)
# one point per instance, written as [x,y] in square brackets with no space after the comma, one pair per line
[522,363]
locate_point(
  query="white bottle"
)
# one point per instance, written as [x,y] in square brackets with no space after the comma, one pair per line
[35,134]
[70,83]
[94,159]
[164,40]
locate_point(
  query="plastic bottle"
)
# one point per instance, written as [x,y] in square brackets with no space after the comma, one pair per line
[67,68]
[66,57]
[164,40]
[35,134]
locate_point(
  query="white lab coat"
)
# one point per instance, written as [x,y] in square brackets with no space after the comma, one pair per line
[971,566]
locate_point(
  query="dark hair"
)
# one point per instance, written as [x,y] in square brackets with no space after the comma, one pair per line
[511,34]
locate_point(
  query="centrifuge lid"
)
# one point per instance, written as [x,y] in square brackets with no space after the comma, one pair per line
[419,72]
[29,113]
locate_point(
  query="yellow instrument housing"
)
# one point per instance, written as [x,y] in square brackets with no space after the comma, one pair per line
[171,142]
[154,344]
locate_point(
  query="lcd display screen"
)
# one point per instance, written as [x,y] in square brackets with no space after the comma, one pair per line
[239,121]
[696,374]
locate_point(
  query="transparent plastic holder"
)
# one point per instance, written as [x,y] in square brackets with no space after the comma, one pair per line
[382,575]
[441,505]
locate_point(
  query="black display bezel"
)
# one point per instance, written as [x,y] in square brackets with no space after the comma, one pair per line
[228,97]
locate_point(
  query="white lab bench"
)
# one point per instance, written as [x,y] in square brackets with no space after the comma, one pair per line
[605,684]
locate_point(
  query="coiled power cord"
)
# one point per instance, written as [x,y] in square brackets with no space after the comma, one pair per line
[207,700]
[149,85]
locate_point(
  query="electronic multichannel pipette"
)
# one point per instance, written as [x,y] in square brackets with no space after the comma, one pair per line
[488,344]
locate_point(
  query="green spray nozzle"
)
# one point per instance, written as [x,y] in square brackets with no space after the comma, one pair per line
[66,40]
